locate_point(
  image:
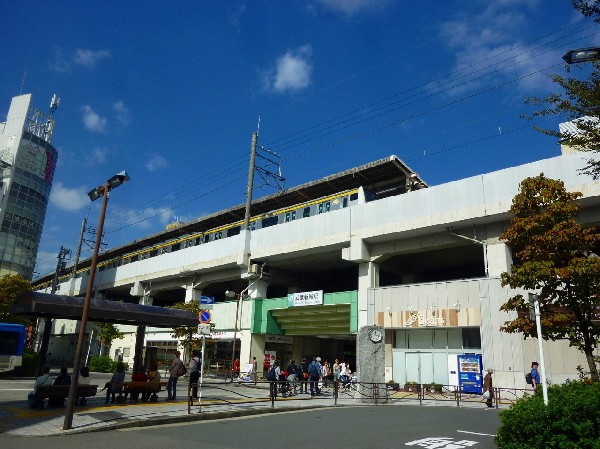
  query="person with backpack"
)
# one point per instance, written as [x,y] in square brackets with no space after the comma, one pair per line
[194,368]
[272,376]
[174,374]
[315,373]
[535,376]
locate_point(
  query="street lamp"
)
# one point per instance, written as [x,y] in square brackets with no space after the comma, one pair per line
[100,191]
[230,294]
[582,55]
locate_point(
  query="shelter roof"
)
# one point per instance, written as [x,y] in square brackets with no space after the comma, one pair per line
[69,307]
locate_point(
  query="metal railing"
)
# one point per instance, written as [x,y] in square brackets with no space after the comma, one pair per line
[271,393]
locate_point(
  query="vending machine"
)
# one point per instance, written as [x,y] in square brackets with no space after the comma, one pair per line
[470,373]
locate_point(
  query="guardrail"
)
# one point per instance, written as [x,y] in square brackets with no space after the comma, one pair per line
[273,392]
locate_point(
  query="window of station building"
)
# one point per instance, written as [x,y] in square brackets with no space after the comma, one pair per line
[471,337]
[306,212]
[269,221]
[234,231]
[290,216]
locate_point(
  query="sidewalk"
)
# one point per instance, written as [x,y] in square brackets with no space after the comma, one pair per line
[220,401]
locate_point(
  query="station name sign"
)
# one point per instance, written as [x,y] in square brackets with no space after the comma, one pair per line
[314,298]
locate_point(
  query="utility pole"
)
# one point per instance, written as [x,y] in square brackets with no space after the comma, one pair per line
[63,254]
[250,180]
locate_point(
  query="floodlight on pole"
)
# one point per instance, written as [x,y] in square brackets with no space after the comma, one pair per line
[100,191]
[582,55]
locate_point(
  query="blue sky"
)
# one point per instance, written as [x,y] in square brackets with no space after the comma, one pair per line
[172,91]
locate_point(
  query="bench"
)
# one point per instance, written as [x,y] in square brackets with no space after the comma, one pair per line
[149,390]
[61,392]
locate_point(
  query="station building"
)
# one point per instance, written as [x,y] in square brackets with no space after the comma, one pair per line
[370,245]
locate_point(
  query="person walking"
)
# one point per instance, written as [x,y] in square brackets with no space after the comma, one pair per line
[273,377]
[305,376]
[174,370]
[535,376]
[315,372]
[488,388]
[194,368]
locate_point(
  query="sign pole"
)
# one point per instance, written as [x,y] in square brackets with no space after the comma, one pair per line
[201,374]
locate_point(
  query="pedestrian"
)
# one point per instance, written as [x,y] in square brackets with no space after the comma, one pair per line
[326,373]
[194,368]
[254,368]
[174,373]
[62,379]
[488,388]
[336,370]
[44,379]
[273,376]
[315,372]
[114,385]
[535,376]
[305,376]
[293,377]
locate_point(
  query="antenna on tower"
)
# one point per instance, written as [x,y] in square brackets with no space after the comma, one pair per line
[54,103]
[23,82]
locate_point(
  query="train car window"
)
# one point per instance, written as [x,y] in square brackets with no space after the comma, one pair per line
[345,202]
[293,215]
[134,258]
[327,206]
[206,238]
[270,221]
[218,235]
[198,240]
[234,231]
[253,226]
[176,247]
[154,253]
[306,212]
[320,208]
[354,196]
[287,217]
[188,243]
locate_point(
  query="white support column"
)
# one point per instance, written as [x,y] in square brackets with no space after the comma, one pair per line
[499,259]
[191,293]
[368,277]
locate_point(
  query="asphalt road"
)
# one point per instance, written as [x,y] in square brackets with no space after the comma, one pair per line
[382,427]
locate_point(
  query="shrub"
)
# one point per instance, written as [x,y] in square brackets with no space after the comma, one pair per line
[30,361]
[571,419]
[104,364]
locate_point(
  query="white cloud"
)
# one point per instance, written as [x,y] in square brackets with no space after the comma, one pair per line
[59,63]
[494,30]
[123,113]
[92,121]
[351,7]
[89,58]
[156,162]
[68,199]
[96,156]
[292,71]
[85,58]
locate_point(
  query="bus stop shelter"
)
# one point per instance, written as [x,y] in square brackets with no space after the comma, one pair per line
[48,306]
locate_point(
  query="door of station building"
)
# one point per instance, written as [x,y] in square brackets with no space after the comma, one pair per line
[420,367]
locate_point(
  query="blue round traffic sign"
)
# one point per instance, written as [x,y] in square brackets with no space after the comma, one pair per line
[205,316]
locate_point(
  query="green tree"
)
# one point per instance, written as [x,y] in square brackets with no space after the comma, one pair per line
[11,287]
[552,254]
[579,102]
[107,332]
[187,334]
